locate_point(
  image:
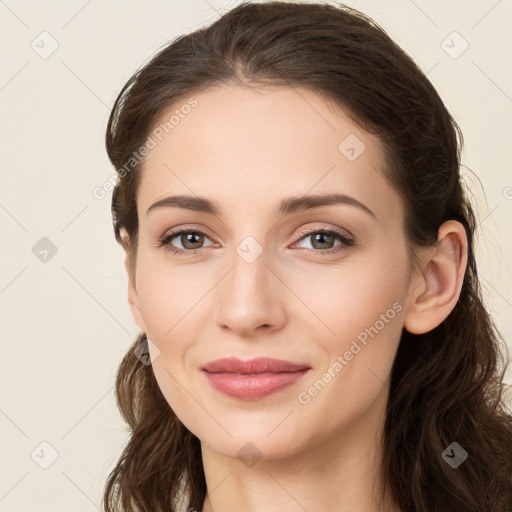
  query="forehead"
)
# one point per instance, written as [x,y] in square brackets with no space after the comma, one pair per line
[255,146]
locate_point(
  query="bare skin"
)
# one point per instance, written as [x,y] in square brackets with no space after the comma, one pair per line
[246,150]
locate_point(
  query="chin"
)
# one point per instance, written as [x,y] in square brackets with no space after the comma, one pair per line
[250,449]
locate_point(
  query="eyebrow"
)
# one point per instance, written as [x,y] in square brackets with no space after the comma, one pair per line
[287,206]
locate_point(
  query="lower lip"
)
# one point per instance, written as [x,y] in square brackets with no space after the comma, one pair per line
[253,386]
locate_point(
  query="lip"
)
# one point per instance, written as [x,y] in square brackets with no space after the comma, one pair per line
[253,379]
[258,365]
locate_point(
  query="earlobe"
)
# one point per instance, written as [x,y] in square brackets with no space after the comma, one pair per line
[443,268]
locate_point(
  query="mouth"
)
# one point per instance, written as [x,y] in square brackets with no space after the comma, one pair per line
[253,379]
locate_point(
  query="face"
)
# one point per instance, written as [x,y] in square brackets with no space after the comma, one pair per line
[324,286]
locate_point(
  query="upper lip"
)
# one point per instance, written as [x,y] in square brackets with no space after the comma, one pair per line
[259,365]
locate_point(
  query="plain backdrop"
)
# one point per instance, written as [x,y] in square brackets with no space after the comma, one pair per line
[65,318]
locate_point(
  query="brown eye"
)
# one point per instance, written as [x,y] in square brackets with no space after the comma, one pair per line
[323,241]
[191,241]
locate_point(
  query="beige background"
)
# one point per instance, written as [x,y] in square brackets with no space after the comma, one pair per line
[65,321]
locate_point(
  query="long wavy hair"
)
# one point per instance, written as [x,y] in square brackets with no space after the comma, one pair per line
[446,384]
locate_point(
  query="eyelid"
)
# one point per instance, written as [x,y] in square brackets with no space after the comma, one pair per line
[180,228]
[339,231]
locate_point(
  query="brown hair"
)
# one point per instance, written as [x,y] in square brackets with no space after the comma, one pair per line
[446,384]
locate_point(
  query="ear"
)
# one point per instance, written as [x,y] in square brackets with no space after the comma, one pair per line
[133,298]
[435,293]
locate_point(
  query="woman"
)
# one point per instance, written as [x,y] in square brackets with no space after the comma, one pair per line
[300,256]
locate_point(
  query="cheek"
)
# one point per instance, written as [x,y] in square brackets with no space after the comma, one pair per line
[343,301]
[356,327]
[169,301]
[355,362]
[364,323]
[169,296]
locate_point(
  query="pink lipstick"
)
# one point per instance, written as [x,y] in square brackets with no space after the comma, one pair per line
[253,379]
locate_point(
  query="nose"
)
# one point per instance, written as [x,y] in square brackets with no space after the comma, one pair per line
[251,297]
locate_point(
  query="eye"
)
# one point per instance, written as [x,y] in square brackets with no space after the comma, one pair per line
[190,240]
[322,241]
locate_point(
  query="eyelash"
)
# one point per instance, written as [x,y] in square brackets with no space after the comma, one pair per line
[164,241]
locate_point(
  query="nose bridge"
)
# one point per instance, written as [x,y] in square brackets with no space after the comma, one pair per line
[248,281]
[250,266]
[248,296]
